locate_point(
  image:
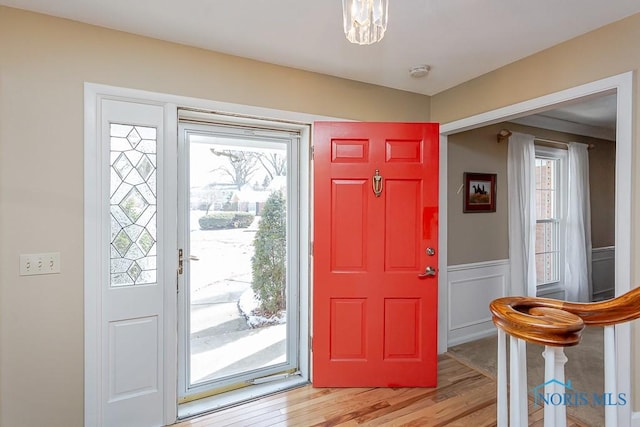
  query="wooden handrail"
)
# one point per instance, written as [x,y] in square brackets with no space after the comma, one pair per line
[560,323]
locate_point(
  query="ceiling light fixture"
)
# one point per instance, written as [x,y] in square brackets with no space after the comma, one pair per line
[365,21]
[419,71]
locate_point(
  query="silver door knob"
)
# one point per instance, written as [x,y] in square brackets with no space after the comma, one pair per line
[429,271]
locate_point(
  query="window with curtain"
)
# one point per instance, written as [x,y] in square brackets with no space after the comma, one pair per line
[550,197]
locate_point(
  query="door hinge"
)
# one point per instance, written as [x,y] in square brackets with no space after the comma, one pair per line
[311,153]
[311,248]
[311,343]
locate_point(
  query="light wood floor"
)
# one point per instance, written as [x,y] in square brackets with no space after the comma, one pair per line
[464,397]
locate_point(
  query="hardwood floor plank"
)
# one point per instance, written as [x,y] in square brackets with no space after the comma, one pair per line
[438,411]
[463,397]
[485,417]
[404,399]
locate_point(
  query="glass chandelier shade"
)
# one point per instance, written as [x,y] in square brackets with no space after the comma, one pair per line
[365,21]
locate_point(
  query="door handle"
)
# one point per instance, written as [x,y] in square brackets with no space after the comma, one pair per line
[429,271]
[181,260]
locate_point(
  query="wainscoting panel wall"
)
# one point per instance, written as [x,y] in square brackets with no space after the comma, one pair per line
[603,262]
[471,288]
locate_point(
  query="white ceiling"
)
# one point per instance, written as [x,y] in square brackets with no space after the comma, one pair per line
[459,39]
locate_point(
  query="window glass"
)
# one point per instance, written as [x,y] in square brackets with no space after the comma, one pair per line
[548,220]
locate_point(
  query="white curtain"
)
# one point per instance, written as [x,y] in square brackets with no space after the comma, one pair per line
[521,177]
[577,274]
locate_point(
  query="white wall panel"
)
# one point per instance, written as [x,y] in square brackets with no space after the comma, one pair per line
[472,287]
[603,262]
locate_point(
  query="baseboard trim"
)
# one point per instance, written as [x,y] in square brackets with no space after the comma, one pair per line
[635,419]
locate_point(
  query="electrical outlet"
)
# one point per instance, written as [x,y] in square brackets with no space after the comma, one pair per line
[46,263]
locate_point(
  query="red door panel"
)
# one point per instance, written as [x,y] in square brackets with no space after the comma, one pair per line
[402,244]
[349,226]
[375,313]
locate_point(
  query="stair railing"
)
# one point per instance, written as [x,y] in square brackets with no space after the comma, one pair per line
[555,324]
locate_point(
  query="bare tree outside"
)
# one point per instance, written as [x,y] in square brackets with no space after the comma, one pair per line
[275,164]
[241,167]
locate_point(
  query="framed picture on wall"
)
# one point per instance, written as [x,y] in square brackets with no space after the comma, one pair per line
[479,192]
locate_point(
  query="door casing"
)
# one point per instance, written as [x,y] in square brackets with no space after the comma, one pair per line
[622,85]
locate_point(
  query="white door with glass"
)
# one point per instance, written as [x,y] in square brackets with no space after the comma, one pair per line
[237,238]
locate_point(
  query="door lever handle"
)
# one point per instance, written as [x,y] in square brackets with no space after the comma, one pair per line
[193,258]
[429,271]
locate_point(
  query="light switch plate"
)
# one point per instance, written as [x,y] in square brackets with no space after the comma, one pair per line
[45,263]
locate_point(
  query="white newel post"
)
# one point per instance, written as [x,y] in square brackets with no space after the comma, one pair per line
[555,410]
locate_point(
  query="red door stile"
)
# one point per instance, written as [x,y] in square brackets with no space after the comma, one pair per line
[374,309]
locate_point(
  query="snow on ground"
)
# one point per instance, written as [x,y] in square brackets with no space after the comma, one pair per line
[248,304]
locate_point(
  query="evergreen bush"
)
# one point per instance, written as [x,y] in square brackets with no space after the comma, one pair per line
[269,260]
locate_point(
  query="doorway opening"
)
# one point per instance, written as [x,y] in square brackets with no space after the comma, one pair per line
[621,87]
[239,323]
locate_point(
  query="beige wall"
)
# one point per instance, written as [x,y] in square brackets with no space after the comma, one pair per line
[602,186]
[44,63]
[601,53]
[476,237]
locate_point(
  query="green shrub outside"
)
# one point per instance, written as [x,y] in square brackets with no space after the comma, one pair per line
[268,263]
[225,220]
[242,219]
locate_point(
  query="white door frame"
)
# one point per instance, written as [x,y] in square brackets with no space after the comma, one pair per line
[93,94]
[622,85]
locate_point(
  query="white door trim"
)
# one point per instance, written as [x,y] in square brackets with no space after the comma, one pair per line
[93,94]
[92,387]
[622,84]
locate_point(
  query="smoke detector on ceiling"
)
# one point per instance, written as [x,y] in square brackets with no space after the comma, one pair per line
[419,71]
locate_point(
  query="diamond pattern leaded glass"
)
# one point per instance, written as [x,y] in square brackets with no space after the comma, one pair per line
[133,205]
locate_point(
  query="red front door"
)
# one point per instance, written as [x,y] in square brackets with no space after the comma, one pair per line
[375,233]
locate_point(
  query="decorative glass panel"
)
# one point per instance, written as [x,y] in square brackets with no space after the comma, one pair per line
[133,205]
